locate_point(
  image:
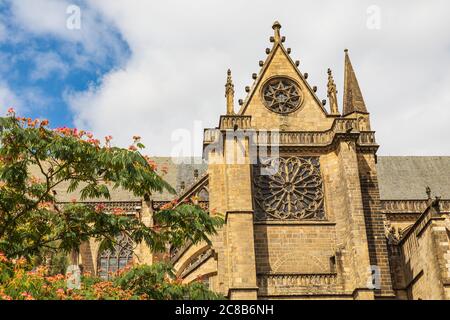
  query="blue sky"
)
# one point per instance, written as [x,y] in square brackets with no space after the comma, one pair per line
[157,68]
[42,89]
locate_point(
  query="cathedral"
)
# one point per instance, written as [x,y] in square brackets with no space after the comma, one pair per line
[310,210]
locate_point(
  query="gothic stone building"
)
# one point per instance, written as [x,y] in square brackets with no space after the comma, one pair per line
[334,221]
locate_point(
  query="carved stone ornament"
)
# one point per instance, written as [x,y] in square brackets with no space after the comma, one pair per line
[293,192]
[282,95]
[393,234]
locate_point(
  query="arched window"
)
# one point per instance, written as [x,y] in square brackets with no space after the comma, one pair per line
[110,261]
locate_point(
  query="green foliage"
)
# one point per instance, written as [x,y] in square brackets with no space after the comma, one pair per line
[32,221]
[56,262]
[34,226]
[18,282]
[157,282]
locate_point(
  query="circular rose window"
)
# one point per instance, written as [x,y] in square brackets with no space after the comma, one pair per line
[294,192]
[281,95]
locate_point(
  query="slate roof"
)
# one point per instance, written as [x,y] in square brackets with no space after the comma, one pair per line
[406,178]
[399,178]
[179,170]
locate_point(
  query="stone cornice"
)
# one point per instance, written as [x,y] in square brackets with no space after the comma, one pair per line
[409,206]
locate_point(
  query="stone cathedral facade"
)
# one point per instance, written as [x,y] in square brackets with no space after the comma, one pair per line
[320,216]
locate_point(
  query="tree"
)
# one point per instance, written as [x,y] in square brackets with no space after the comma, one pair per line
[32,221]
[155,282]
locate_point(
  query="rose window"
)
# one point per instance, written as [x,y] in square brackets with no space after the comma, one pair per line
[281,95]
[294,192]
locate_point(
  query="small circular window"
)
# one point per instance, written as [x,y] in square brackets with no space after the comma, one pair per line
[281,95]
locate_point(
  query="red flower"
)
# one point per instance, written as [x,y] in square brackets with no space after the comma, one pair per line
[132,148]
[151,163]
[11,111]
[20,262]
[99,208]
[94,142]
[60,293]
[27,296]
[3,257]
[166,206]
[32,123]
[118,211]
[5,297]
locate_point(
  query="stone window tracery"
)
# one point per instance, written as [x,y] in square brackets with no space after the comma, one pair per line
[294,192]
[281,95]
[110,261]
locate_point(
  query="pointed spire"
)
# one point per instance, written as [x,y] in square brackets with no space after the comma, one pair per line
[353,99]
[332,94]
[276,28]
[229,94]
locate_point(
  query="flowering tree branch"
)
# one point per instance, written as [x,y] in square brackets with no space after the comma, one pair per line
[30,217]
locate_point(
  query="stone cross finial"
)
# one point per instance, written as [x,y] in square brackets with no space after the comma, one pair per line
[196,174]
[229,93]
[276,27]
[428,191]
[332,94]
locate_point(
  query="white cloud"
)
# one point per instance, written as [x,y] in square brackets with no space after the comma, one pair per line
[181,50]
[2,32]
[8,99]
[46,16]
[23,101]
[50,17]
[49,64]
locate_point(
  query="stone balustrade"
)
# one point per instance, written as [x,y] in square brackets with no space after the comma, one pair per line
[289,138]
[235,122]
